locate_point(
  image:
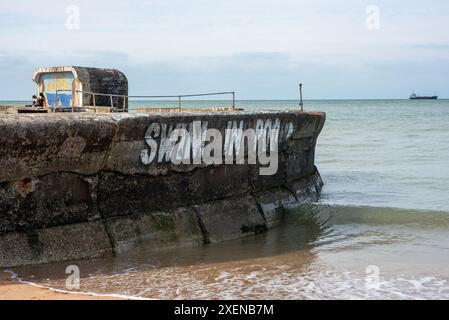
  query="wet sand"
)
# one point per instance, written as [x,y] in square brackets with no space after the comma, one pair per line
[12,289]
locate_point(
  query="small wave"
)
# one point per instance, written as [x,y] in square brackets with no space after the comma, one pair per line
[16,277]
[279,281]
[341,214]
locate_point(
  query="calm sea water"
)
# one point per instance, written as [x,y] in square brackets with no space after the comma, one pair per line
[381,229]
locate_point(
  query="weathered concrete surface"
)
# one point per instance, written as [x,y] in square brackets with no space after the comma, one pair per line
[155,230]
[38,145]
[51,200]
[64,173]
[75,241]
[273,203]
[8,109]
[230,218]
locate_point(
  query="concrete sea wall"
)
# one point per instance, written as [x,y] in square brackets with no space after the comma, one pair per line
[76,186]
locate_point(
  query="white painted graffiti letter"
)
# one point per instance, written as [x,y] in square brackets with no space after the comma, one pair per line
[197,144]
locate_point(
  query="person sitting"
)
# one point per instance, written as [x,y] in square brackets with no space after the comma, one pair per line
[41,100]
[34,104]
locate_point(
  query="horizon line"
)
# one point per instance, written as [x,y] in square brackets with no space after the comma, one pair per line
[281,99]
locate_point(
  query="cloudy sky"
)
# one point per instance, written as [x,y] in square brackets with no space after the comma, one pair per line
[260,48]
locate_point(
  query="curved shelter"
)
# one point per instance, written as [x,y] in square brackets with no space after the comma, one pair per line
[66,87]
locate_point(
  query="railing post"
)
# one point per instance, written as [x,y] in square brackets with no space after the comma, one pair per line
[93,96]
[233,100]
[179,103]
[124,103]
[112,102]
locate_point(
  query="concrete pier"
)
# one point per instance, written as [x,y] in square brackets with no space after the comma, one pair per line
[82,185]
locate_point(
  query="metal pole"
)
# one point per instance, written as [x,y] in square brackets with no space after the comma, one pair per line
[93,96]
[179,103]
[301,103]
[112,102]
[233,101]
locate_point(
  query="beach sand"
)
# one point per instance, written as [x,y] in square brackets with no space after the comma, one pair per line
[11,289]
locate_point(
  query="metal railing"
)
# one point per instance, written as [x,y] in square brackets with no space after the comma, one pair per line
[125,98]
[180,96]
[94,95]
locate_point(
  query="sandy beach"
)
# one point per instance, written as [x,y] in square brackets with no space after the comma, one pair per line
[11,289]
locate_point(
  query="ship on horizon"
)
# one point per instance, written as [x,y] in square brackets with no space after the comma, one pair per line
[414,96]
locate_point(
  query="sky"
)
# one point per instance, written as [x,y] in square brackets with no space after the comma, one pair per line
[261,49]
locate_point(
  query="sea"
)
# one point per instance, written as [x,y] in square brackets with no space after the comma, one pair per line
[379,231]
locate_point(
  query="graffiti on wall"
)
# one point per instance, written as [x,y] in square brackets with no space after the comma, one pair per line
[50,82]
[196,143]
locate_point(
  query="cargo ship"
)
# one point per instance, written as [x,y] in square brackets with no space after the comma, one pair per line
[414,96]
